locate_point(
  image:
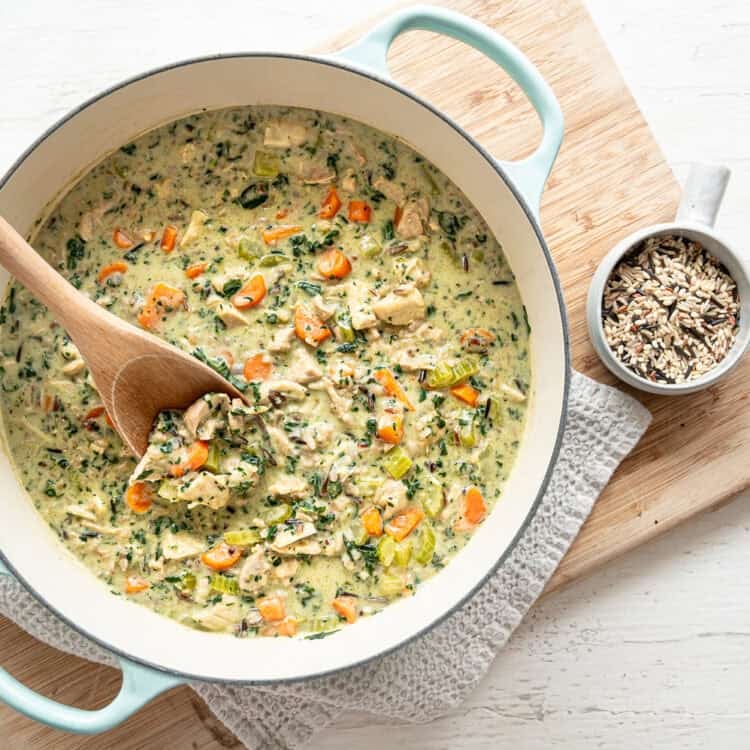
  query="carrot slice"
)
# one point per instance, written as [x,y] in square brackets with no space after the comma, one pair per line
[121,239]
[393,430]
[251,293]
[135,584]
[258,367]
[194,271]
[331,205]
[161,300]
[401,525]
[272,236]
[139,497]
[346,607]
[308,327]
[116,267]
[221,557]
[287,627]
[359,211]
[466,393]
[392,387]
[168,238]
[197,455]
[271,608]
[333,264]
[372,521]
[93,414]
[474,506]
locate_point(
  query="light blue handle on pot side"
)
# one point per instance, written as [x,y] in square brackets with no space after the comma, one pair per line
[139,685]
[370,53]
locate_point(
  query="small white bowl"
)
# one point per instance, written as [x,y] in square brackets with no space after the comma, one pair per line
[695,219]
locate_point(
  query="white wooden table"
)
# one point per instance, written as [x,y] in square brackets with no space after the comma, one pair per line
[654,651]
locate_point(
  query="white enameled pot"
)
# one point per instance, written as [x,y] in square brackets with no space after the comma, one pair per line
[156,652]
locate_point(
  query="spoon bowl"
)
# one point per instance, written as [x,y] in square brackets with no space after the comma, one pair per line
[136,373]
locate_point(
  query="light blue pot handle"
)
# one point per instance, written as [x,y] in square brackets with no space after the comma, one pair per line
[370,53]
[139,685]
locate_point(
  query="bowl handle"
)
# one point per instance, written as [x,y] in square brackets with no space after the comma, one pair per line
[371,51]
[139,685]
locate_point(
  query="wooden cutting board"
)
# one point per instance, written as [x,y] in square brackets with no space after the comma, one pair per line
[610,179]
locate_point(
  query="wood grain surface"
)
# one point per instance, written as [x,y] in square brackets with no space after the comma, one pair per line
[610,179]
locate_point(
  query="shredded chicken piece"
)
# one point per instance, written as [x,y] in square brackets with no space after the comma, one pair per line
[401,306]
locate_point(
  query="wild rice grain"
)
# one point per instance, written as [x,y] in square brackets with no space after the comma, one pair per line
[670,310]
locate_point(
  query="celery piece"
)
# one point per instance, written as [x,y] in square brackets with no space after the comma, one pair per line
[359,535]
[265,164]
[441,376]
[368,484]
[386,550]
[323,623]
[272,259]
[277,514]
[465,369]
[168,490]
[369,246]
[390,585]
[467,434]
[403,553]
[225,584]
[242,538]
[426,548]
[432,499]
[397,462]
[434,187]
[248,250]
[214,456]
[344,326]
[187,583]
[495,409]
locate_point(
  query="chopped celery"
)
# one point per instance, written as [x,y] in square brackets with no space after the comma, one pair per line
[434,187]
[265,164]
[369,246]
[467,434]
[272,259]
[386,550]
[359,535]
[397,462]
[465,369]
[390,586]
[495,409]
[323,623]
[368,484]
[225,584]
[432,499]
[168,490]
[445,375]
[186,583]
[344,326]
[403,553]
[248,250]
[242,538]
[426,548]
[214,456]
[277,514]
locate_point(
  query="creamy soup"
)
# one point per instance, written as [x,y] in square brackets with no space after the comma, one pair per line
[370,318]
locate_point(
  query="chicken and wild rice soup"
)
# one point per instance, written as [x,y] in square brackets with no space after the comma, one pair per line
[359,301]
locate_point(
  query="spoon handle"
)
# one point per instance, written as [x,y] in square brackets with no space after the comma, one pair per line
[72,309]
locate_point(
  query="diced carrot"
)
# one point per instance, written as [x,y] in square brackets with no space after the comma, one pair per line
[477,339]
[251,293]
[271,608]
[308,327]
[139,497]
[197,455]
[258,367]
[392,431]
[194,271]
[392,387]
[162,299]
[116,267]
[93,414]
[331,205]
[474,506]
[221,557]
[271,236]
[281,214]
[359,211]
[346,607]
[372,521]
[333,264]
[135,584]
[168,238]
[121,239]
[466,393]
[287,627]
[401,525]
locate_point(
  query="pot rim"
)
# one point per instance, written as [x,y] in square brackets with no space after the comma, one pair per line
[339,63]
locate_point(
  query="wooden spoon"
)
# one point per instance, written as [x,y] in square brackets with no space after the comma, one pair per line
[137,374]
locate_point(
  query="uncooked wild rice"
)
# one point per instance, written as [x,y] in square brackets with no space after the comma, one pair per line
[670,310]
